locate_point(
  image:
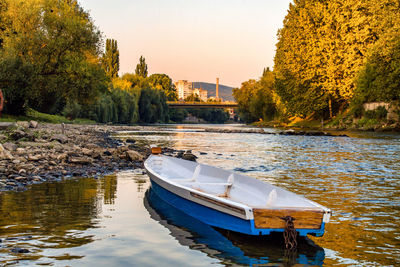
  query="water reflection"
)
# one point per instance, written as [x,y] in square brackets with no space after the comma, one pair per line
[52,216]
[228,247]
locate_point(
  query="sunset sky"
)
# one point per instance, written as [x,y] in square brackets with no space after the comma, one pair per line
[195,40]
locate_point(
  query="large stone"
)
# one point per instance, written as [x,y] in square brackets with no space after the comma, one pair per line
[60,138]
[20,151]
[24,124]
[189,156]
[87,152]
[18,134]
[80,160]
[33,124]
[129,140]
[10,146]
[121,149]
[5,125]
[34,157]
[5,154]
[62,156]
[91,146]
[133,155]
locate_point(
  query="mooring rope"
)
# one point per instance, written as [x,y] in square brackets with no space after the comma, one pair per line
[290,233]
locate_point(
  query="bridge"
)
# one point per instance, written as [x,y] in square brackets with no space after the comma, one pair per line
[193,104]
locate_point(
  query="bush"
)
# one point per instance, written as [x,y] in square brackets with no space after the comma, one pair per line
[377,114]
[152,106]
[381,113]
[177,115]
[15,81]
[367,124]
[357,111]
[72,110]
[31,113]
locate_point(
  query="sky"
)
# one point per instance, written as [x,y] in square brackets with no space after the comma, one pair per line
[195,40]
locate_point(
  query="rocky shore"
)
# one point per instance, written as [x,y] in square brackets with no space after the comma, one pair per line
[33,153]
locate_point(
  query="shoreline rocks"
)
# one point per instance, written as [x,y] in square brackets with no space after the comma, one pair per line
[285,132]
[34,153]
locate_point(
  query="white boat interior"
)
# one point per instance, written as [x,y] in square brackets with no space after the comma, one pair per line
[228,185]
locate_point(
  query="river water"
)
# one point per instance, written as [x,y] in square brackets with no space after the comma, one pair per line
[117,220]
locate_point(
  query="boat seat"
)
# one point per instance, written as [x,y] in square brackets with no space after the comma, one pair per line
[229,185]
[272,196]
[196,184]
[194,177]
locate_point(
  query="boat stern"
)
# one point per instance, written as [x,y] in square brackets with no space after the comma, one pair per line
[306,221]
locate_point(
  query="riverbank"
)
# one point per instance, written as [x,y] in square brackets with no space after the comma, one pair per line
[337,124]
[33,153]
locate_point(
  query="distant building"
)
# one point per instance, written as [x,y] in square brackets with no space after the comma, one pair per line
[202,94]
[184,89]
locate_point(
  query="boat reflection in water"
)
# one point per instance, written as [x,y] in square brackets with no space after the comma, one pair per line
[229,247]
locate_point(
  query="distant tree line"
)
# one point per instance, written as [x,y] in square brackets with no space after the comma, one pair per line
[331,56]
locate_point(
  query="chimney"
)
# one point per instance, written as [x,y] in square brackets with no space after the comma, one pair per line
[216,89]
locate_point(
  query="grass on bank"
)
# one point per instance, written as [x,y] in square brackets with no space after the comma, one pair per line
[293,122]
[43,117]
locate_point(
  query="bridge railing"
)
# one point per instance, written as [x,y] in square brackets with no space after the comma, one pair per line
[191,104]
[200,103]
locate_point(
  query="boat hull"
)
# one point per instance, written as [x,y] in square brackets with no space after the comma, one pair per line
[217,218]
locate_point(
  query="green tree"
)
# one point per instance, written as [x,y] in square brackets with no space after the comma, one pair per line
[321,48]
[193,98]
[136,81]
[264,105]
[177,114]
[141,68]
[164,82]
[379,79]
[152,106]
[110,60]
[60,41]
[256,98]
[265,71]
[4,23]
[15,80]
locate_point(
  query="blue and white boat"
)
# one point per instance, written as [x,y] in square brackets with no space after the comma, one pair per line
[232,201]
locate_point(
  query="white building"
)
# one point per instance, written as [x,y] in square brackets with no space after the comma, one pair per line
[202,94]
[184,89]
